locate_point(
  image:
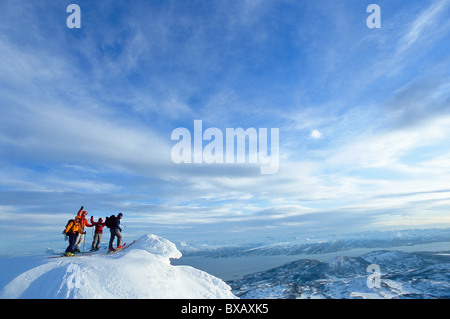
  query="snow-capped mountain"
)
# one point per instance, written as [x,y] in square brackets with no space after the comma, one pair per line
[141,271]
[321,244]
[402,275]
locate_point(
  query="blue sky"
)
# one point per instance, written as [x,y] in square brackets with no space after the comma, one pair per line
[87,116]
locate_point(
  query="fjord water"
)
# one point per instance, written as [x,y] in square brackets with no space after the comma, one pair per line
[232,268]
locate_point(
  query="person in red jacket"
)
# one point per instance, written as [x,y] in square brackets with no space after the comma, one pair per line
[98,233]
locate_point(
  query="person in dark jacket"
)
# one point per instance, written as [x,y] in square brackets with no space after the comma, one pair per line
[115,232]
[98,233]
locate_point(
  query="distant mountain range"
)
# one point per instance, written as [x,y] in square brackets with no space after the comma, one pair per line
[402,275]
[320,245]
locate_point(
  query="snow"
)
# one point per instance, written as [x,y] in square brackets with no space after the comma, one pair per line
[141,271]
[402,275]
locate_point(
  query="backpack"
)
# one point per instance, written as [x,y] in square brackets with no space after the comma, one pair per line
[68,222]
[110,221]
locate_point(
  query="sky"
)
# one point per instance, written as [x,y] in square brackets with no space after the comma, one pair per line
[87,116]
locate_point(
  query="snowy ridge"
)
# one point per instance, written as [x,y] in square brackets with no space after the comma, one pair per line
[141,271]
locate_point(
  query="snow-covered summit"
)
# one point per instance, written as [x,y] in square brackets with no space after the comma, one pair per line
[141,271]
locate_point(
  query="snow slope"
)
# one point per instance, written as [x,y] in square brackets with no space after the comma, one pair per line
[141,271]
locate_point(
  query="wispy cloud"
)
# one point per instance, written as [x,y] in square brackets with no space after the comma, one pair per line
[425,25]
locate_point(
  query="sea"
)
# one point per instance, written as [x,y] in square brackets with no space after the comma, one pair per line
[233,268]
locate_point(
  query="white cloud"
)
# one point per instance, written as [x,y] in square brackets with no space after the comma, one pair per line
[385,149]
[315,134]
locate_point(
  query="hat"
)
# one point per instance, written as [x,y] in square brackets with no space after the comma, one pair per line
[84,212]
[120,214]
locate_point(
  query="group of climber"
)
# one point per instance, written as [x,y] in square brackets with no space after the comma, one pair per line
[75,232]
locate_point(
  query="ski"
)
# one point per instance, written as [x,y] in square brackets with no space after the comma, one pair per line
[82,253]
[97,250]
[93,253]
[90,252]
[120,249]
[70,256]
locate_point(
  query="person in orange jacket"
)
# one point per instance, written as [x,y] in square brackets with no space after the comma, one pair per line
[81,234]
[72,229]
